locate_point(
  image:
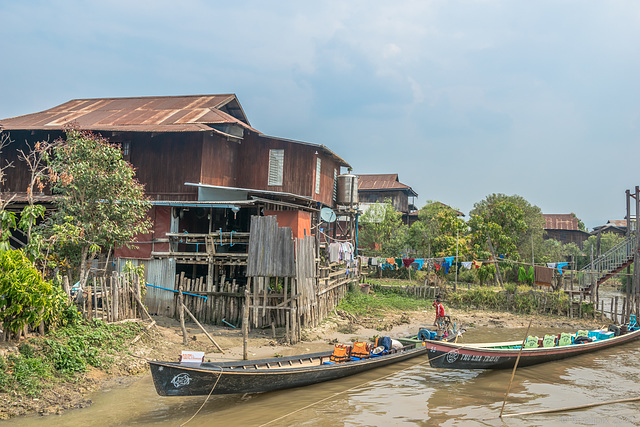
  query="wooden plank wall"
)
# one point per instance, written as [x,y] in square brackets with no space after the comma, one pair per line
[284,291]
[270,249]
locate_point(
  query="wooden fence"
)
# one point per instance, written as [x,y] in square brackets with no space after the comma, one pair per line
[112,299]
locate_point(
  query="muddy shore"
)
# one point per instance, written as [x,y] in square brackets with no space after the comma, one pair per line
[164,342]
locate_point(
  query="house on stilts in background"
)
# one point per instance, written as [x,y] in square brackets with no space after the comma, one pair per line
[232,208]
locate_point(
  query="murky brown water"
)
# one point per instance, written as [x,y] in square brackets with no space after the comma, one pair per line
[409,393]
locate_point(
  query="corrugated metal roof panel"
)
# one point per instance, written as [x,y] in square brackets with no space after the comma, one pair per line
[162,111]
[379,182]
[560,222]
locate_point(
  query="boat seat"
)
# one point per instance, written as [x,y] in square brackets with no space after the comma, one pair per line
[565,339]
[549,341]
[532,342]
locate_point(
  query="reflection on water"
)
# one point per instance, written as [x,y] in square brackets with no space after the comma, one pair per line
[409,393]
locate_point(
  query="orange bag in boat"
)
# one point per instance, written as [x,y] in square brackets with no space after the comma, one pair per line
[361,350]
[341,353]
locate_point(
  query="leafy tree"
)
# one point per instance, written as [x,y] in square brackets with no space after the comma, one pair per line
[27,299]
[382,230]
[100,198]
[499,217]
[580,223]
[438,230]
[7,218]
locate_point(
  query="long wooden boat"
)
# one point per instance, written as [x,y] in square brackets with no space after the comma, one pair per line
[254,376]
[504,355]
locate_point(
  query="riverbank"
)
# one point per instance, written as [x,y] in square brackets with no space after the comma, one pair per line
[164,342]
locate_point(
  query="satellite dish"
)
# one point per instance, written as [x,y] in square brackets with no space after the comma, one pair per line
[327,215]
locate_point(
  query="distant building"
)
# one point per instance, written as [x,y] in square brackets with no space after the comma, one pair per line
[379,188]
[616,226]
[564,228]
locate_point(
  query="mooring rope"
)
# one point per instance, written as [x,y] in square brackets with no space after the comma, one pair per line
[206,400]
[344,391]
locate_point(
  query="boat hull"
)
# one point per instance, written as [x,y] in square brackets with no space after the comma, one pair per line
[175,379]
[460,356]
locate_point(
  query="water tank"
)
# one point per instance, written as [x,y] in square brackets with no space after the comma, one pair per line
[347,189]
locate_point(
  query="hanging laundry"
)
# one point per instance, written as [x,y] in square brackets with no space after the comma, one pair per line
[449,259]
[551,264]
[477,264]
[467,264]
[398,262]
[407,261]
[430,264]
[334,252]
[543,275]
[561,265]
[415,266]
[531,275]
[420,263]
[522,275]
[437,266]
[446,266]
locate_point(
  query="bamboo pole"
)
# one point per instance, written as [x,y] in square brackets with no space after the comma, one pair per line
[514,369]
[181,313]
[202,328]
[245,322]
[115,306]
[568,408]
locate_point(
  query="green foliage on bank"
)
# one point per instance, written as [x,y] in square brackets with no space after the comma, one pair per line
[41,363]
[25,297]
[390,295]
[517,299]
[380,302]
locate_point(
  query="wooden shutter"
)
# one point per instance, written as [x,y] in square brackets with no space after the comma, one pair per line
[318,167]
[276,166]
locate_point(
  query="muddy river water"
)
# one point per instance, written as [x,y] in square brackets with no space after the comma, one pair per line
[408,393]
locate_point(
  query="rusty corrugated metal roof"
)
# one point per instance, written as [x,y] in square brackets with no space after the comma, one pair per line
[153,114]
[560,222]
[381,182]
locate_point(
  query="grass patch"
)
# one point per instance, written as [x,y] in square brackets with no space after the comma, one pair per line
[60,356]
[380,302]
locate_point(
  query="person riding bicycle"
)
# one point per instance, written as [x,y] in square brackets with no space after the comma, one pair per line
[439,311]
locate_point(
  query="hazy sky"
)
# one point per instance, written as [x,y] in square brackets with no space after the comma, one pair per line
[460,98]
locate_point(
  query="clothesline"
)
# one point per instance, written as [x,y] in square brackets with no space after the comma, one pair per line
[333,238]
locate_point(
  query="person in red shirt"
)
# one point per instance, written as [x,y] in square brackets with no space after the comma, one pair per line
[439,310]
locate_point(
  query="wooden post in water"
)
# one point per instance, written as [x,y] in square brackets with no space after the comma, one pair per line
[601,310]
[580,306]
[615,311]
[611,312]
[181,313]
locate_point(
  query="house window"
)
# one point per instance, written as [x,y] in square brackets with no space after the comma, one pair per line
[126,150]
[318,164]
[276,166]
[335,185]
